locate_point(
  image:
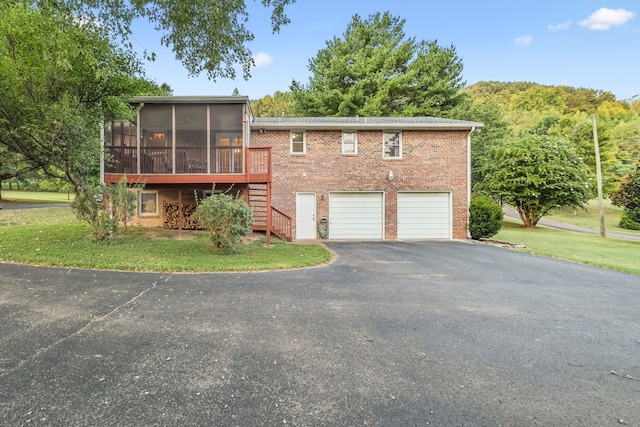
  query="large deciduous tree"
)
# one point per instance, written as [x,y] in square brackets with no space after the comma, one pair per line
[496,128]
[376,70]
[582,138]
[535,174]
[61,77]
[206,36]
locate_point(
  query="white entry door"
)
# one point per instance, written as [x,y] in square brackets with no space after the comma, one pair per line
[305,216]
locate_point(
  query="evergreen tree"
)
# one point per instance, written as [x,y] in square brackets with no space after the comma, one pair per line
[376,70]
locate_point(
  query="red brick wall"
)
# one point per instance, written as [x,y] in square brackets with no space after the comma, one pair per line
[431,161]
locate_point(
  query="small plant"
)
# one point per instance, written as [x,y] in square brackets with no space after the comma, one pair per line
[227,218]
[485,217]
[88,207]
[104,207]
[120,201]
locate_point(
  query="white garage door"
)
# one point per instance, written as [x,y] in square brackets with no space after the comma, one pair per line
[424,216]
[356,215]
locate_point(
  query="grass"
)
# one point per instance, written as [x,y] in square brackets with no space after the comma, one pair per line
[53,237]
[590,217]
[33,197]
[614,254]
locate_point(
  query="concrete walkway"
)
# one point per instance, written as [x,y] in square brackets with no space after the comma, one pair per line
[544,222]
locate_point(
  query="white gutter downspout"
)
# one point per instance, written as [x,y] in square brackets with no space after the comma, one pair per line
[473,129]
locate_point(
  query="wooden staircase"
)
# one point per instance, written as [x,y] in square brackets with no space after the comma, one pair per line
[281,223]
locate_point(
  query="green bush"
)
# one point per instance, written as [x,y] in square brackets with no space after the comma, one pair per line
[485,217]
[630,219]
[227,218]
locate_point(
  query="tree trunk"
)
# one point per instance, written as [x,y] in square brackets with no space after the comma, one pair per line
[526,218]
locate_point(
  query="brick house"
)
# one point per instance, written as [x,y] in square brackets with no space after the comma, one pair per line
[341,178]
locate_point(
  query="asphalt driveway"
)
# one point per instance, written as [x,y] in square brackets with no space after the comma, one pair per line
[390,334]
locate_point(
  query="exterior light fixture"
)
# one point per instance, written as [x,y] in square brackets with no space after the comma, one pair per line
[390,176]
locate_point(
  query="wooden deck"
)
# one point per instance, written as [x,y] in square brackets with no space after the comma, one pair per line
[190,165]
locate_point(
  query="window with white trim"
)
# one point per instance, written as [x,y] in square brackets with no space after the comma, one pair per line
[392,145]
[298,143]
[349,143]
[148,203]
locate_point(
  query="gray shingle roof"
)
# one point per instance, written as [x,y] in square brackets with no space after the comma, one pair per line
[191,99]
[361,123]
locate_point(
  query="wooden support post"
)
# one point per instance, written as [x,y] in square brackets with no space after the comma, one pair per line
[245,193]
[180,216]
[269,214]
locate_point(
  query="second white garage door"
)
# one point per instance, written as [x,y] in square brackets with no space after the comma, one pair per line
[356,215]
[424,215]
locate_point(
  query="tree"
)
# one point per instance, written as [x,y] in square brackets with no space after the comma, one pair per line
[206,36]
[60,79]
[581,137]
[496,128]
[628,133]
[273,106]
[12,165]
[535,174]
[376,70]
[628,196]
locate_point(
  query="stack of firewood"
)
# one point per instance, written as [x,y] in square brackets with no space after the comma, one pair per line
[171,217]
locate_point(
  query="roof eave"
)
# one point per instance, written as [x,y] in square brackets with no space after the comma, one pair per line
[366,126]
[190,99]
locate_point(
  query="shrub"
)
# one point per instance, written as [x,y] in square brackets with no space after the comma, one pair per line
[87,206]
[119,199]
[485,217]
[227,218]
[630,219]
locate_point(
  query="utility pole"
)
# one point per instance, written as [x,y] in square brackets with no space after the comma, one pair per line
[598,177]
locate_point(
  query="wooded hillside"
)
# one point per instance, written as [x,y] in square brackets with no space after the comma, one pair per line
[566,112]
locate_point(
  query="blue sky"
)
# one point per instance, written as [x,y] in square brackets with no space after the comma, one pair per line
[580,43]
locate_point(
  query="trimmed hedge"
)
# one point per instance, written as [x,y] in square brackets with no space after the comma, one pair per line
[485,217]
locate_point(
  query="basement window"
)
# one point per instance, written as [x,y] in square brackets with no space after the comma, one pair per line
[148,203]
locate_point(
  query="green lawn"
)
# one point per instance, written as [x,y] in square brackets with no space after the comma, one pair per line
[52,236]
[33,197]
[615,254]
[590,217]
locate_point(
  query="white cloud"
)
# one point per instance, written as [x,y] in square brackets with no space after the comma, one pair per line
[262,58]
[523,41]
[604,18]
[558,27]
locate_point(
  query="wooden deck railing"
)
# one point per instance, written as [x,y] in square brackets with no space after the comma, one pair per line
[258,164]
[191,160]
[281,225]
